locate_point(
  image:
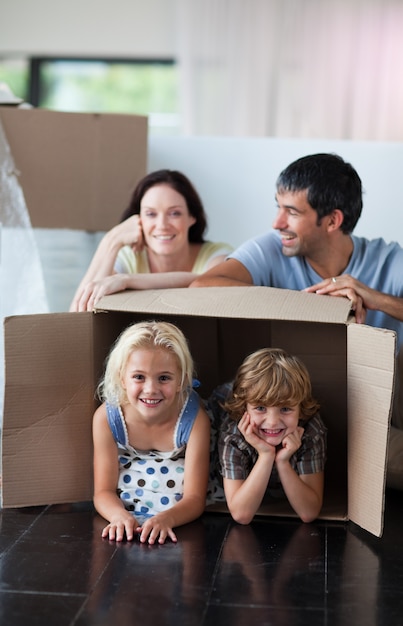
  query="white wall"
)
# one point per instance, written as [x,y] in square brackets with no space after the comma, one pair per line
[236,179]
[144,28]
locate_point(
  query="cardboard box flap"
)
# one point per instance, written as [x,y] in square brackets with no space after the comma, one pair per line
[233,302]
[77,170]
[370,374]
[48,405]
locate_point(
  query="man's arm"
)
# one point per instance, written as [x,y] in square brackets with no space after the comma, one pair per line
[367,298]
[228,273]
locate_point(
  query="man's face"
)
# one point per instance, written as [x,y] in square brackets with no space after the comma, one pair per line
[296,222]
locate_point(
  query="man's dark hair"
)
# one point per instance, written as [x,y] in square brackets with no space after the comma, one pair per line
[330,182]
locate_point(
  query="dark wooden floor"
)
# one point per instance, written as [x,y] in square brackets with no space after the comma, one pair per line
[56,570]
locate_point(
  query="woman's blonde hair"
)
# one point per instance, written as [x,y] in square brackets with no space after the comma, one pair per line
[271,377]
[147,334]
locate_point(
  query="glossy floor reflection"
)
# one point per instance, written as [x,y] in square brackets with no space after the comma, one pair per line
[56,570]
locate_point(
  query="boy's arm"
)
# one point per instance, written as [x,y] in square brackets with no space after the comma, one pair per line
[304,492]
[244,497]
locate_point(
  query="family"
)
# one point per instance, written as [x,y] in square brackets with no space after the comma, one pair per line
[152,431]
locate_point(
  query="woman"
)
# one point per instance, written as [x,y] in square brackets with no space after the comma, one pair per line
[159,244]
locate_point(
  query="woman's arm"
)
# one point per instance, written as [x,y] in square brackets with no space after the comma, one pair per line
[106,473]
[102,264]
[94,291]
[192,505]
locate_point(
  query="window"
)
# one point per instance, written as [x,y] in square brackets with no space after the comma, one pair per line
[15,72]
[142,87]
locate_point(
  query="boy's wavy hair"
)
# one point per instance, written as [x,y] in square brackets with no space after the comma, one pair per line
[271,377]
[148,335]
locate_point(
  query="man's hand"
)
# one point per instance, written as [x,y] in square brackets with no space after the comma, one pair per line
[360,296]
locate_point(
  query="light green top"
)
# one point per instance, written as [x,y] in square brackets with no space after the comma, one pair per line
[129,262]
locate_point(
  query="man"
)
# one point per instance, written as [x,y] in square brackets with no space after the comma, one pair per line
[319,199]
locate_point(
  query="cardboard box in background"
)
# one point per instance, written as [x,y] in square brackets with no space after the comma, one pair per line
[77,170]
[54,361]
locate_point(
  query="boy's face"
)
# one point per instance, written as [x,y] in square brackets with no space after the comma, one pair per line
[273,423]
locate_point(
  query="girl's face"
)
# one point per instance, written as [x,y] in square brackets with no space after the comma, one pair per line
[273,423]
[165,220]
[152,381]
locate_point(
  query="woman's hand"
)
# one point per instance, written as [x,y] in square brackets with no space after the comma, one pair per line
[127,233]
[95,290]
[130,233]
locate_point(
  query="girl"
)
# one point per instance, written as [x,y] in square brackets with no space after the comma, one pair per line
[271,438]
[159,244]
[151,436]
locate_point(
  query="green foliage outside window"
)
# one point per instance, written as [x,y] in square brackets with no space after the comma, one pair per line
[143,88]
[139,88]
[15,74]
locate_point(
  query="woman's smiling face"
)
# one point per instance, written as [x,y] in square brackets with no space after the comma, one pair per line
[165,220]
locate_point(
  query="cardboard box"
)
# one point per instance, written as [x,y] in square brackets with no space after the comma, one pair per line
[77,170]
[54,361]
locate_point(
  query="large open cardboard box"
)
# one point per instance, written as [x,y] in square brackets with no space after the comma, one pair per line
[54,361]
[77,170]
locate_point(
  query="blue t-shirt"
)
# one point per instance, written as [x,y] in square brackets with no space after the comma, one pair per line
[374,263]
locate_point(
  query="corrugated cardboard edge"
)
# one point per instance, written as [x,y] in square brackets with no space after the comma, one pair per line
[239,302]
[371,354]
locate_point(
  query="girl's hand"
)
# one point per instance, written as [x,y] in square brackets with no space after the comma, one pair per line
[157,528]
[124,525]
[246,428]
[290,444]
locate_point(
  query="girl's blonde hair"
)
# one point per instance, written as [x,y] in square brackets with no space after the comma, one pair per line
[148,334]
[271,377]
